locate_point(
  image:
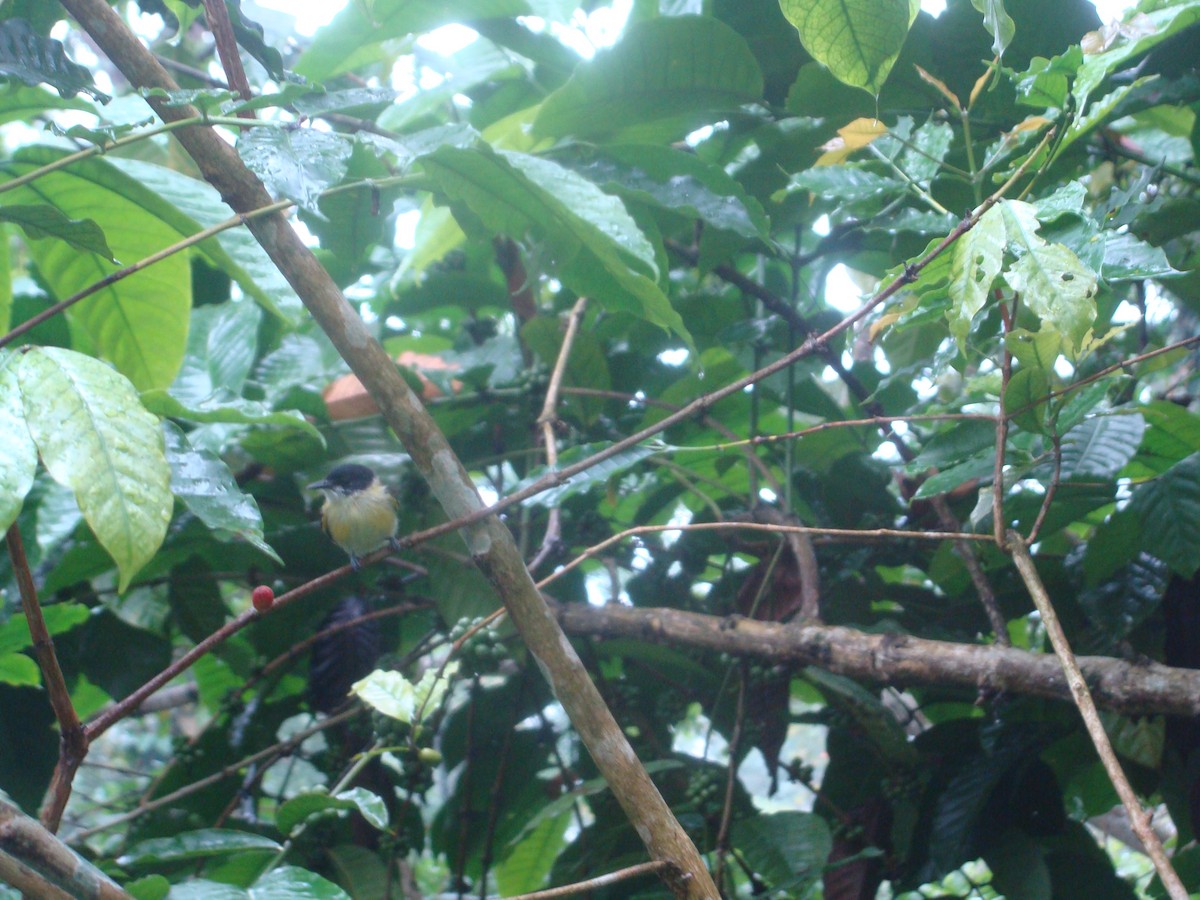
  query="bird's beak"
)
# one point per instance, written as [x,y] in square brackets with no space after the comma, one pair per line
[322,485]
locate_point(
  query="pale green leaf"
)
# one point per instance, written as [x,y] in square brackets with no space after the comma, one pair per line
[978,257]
[392,694]
[857,40]
[525,868]
[96,438]
[296,163]
[1056,286]
[18,454]
[998,22]
[300,808]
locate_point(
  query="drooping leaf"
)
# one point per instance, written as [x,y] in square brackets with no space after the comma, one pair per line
[43,221]
[34,59]
[207,488]
[598,248]
[18,453]
[599,474]
[978,257]
[998,22]
[665,78]
[858,40]
[96,438]
[525,868]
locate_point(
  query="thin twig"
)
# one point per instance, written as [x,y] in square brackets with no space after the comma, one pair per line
[1051,490]
[73,745]
[581,887]
[1139,818]
[722,845]
[851,533]
[547,420]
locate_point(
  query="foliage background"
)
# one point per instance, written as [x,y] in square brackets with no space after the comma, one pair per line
[688,182]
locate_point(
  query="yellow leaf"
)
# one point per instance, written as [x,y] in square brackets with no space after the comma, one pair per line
[940,85]
[855,136]
[980,82]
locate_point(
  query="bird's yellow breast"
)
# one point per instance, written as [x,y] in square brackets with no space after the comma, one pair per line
[360,522]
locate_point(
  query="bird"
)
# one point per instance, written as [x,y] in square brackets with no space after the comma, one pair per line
[359,512]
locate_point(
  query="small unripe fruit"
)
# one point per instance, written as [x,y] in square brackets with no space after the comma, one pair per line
[262,597]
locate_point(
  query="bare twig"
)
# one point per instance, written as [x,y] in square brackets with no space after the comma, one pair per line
[1051,490]
[547,420]
[1139,818]
[73,745]
[722,845]
[582,887]
[221,27]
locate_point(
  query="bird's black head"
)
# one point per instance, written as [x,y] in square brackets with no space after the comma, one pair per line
[348,478]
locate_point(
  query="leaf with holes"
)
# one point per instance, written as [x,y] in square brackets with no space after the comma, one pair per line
[978,257]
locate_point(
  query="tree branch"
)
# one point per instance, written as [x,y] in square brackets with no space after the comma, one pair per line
[1124,687]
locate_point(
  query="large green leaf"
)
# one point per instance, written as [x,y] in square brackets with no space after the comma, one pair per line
[858,40]
[190,205]
[666,77]
[786,849]
[43,221]
[192,845]
[998,23]
[357,34]
[96,438]
[1169,509]
[1099,447]
[598,249]
[300,808]
[18,454]
[139,323]
[525,868]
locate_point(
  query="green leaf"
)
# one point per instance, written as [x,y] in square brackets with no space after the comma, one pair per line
[356,36]
[96,438]
[202,481]
[138,323]
[857,40]
[221,349]
[294,883]
[222,408]
[786,849]
[392,694]
[598,249]
[200,844]
[34,59]
[587,365]
[59,618]
[1129,258]
[18,453]
[674,180]
[978,257]
[296,163]
[1169,510]
[525,868]
[42,221]
[999,24]
[19,669]
[1051,280]
[665,78]
[1100,447]
[598,474]
[1151,28]
[301,807]
[1027,391]
[23,104]
[189,205]
[847,184]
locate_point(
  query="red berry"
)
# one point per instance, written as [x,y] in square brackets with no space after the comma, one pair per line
[262,598]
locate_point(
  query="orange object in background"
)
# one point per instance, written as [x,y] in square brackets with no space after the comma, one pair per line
[346,398]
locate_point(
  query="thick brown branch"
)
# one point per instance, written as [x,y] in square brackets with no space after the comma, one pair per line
[38,864]
[1131,688]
